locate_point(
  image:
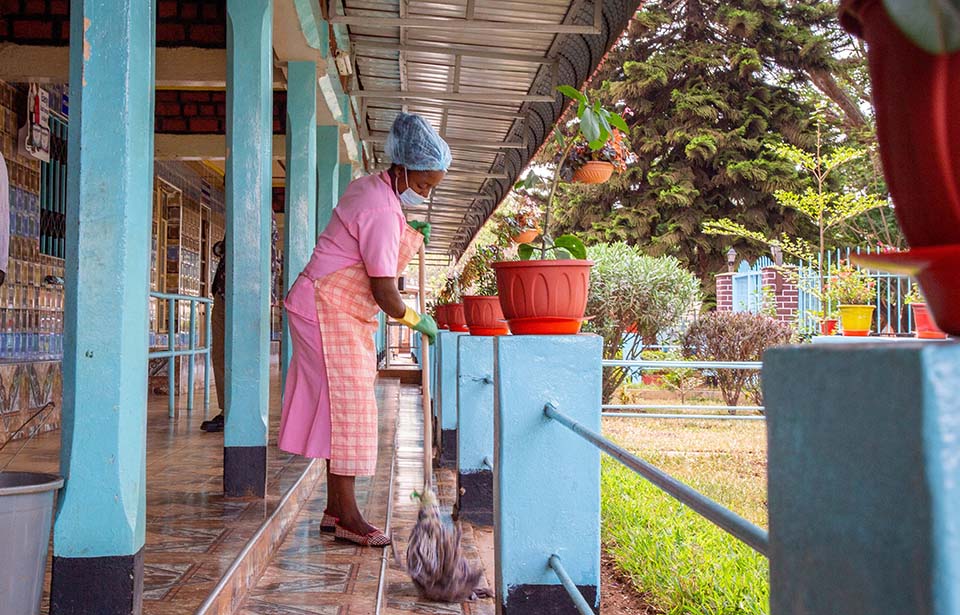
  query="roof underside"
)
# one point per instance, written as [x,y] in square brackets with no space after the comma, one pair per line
[484,73]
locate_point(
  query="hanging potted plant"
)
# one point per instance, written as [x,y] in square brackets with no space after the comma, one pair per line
[523,224]
[926,328]
[545,292]
[854,291]
[913,48]
[588,166]
[481,307]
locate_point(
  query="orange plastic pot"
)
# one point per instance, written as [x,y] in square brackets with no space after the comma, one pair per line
[828,327]
[926,328]
[856,319]
[543,297]
[440,315]
[918,130]
[527,236]
[484,316]
[593,172]
[456,319]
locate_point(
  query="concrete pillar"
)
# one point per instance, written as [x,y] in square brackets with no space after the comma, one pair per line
[475,430]
[248,182]
[100,525]
[546,478]
[300,222]
[328,174]
[446,403]
[345,176]
[864,479]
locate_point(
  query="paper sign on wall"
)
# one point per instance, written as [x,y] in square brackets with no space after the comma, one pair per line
[35,134]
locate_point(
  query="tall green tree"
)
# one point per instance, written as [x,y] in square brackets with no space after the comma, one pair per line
[707,87]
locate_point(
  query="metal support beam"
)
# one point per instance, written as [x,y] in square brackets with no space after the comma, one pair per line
[300,208]
[100,526]
[422,22]
[499,96]
[249,212]
[454,50]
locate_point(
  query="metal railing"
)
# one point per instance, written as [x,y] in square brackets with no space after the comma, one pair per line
[191,351]
[724,518]
[706,366]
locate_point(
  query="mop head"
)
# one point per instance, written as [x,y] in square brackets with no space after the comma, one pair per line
[435,561]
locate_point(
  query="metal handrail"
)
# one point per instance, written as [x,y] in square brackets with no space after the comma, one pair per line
[720,516]
[640,364]
[572,590]
[689,417]
[192,350]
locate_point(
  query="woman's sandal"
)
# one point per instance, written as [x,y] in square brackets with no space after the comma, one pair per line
[328,524]
[376,538]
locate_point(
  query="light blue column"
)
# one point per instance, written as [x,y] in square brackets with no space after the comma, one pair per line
[101,516]
[446,403]
[248,183]
[546,478]
[300,217]
[475,430]
[864,479]
[345,177]
[328,173]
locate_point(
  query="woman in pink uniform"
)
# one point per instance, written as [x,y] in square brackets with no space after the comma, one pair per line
[329,404]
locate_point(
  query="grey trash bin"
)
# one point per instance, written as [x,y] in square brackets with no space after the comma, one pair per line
[26,511]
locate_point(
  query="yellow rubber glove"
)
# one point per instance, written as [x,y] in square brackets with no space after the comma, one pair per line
[424,323]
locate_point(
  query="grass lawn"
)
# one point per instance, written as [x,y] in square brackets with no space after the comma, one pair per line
[680,562]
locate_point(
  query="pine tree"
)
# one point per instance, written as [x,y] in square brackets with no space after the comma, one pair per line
[707,86]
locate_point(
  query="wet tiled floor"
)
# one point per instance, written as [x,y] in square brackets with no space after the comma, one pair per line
[316,574]
[194,533]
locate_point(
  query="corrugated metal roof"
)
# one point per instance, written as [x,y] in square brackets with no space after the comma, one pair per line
[483,72]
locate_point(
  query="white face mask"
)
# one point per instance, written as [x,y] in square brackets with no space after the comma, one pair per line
[410,196]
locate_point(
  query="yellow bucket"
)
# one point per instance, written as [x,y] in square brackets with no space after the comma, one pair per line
[856,319]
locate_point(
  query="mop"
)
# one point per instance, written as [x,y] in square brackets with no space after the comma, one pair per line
[435,561]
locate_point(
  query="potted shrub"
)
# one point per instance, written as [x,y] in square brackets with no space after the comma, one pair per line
[913,49]
[548,294]
[482,310]
[452,308]
[588,166]
[926,328]
[854,291]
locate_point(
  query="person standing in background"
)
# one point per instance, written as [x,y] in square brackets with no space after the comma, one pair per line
[4,220]
[218,329]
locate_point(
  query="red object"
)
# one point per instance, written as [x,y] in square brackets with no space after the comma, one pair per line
[593,172]
[440,314]
[828,327]
[918,128]
[527,236]
[484,316]
[456,319]
[543,297]
[926,328]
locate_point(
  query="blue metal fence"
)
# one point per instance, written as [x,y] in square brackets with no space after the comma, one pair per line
[175,348]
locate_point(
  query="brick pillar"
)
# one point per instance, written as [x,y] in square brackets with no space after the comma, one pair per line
[725,292]
[785,291]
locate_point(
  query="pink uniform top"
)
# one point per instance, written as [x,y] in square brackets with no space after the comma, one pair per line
[365,227]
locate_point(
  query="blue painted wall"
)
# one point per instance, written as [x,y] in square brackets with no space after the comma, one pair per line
[474,403]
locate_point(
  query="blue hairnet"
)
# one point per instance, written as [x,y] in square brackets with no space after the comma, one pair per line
[414,144]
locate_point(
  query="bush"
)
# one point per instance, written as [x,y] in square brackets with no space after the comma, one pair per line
[632,299]
[734,336]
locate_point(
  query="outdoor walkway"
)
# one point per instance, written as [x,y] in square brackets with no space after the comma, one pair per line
[314,573]
[194,534]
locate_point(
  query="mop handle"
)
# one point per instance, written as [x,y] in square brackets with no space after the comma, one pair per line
[425,380]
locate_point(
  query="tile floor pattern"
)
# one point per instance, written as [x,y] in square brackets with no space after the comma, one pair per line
[314,574]
[193,532]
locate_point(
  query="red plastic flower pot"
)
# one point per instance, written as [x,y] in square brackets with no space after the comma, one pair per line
[440,315]
[828,327]
[484,315]
[456,319]
[543,297]
[918,129]
[926,328]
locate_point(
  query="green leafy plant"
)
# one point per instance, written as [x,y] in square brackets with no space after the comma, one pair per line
[914,296]
[734,336]
[478,276]
[595,126]
[633,298]
[851,286]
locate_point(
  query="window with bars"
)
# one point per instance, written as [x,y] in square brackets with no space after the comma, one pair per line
[53,192]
